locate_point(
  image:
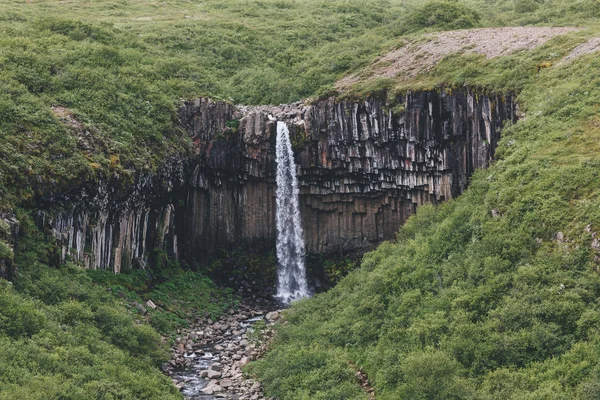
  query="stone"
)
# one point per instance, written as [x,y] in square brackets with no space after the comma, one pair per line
[225,383]
[212,374]
[272,316]
[141,309]
[423,153]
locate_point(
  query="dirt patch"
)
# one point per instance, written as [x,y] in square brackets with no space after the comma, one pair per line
[421,56]
[66,117]
[588,47]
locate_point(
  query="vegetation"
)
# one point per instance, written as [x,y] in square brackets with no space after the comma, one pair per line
[62,337]
[181,297]
[464,305]
[67,333]
[493,295]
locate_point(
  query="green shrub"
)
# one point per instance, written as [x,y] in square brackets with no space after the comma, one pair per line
[441,15]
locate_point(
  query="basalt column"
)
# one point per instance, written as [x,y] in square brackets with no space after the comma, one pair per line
[364,165]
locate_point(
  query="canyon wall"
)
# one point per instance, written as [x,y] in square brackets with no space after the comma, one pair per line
[363,168]
[113,230]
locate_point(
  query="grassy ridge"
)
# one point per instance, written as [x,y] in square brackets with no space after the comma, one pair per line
[493,295]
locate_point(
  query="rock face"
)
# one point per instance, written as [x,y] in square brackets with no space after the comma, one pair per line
[363,168]
[112,230]
[9,231]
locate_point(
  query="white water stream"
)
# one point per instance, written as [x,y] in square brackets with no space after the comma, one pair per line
[291,283]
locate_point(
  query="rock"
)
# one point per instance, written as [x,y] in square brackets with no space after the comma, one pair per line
[225,383]
[272,316]
[424,152]
[141,309]
[212,374]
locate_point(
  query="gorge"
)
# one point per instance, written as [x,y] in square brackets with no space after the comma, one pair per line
[422,175]
[364,167]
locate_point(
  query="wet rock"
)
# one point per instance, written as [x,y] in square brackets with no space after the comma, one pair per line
[364,166]
[220,370]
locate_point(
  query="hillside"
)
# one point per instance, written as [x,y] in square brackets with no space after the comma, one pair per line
[491,295]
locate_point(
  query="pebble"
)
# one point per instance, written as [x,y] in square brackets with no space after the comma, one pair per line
[224,348]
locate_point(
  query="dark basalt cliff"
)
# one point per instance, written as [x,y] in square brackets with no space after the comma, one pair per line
[363,168]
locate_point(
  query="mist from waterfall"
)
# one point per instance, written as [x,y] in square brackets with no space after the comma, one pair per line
[291,284]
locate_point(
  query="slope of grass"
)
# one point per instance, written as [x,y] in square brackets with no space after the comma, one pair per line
[493,295]
[67,333]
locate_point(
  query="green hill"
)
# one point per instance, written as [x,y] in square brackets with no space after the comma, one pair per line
[493,295]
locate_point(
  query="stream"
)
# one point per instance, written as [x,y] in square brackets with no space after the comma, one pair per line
[208,357]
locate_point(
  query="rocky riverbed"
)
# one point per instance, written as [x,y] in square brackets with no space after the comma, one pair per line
[207,358]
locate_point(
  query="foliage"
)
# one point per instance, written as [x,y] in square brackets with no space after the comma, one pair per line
[441,15]
[242,269]
[62,337]
[335,270]
[180,296]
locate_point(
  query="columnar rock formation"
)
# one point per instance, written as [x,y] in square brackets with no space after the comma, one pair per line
[364,166]
[113,230]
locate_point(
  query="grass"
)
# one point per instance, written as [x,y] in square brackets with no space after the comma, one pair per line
[182,297]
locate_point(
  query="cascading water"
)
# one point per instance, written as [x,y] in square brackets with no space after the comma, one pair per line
[290,241]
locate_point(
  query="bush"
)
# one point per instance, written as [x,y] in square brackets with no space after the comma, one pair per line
[441,15]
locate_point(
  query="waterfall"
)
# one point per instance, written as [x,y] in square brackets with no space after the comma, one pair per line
[291,283]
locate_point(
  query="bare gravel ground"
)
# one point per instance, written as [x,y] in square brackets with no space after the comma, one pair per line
[422,55]
[588,47]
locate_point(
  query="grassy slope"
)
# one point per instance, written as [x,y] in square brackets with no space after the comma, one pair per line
[66,333]
[466,305]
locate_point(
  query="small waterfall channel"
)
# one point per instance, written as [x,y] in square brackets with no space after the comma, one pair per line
[291,284]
